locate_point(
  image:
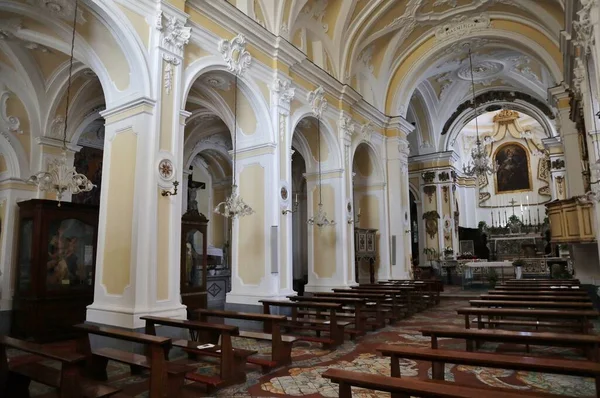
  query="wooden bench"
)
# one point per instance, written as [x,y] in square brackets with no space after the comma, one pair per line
[534,297]
[587,342]
[232,360]
[582,317]
[405,388]
[542,282]
[542,289]
[409,295]
[335,328]
[281,346]
[166,379]
[434,286]
[358,314]
[575,305]
[384,305]
[67,380]
[396,298]
[501,361]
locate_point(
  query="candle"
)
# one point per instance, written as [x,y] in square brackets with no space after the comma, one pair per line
[359,211]
[296,198]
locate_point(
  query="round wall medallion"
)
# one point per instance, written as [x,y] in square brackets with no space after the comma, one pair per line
[165,169]
[349,207]
[284,193]
[481,71]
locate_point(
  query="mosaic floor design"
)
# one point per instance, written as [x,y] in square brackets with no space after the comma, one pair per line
[303,378]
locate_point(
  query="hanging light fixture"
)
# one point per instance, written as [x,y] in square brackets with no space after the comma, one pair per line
[480,163]
[60,177]
[320,219]
[234,206]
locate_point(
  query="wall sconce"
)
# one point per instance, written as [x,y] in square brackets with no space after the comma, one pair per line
[168,192]
[294,207]
[357,221]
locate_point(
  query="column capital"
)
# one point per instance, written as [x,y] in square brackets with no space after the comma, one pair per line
[400,124]
[174,35]
[283,94]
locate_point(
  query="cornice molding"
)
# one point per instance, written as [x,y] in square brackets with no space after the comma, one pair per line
[437,156]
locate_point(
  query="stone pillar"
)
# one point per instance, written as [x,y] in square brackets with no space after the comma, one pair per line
[281,96]
[346,130]
[326,269]
[255,269]
[398,197]
[570,139]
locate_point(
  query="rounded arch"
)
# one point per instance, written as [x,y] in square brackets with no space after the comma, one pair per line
[264,132]
[403,92]
[327,132]
[15,157]
[378,169]
[459,122]
[112,19]
[414,191]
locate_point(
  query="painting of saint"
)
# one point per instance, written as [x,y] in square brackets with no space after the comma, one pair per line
[513,169]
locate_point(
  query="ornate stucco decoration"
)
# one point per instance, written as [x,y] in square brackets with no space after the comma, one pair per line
[170,62]
[584,28]
[462,26]
[578,76]
[317,101]
[57,127]
[317,12]
[346,128]
[9,27]
[366,131]
[175,33]
[521,66]
[219,82]
[506,116]
[234,53]
[63,9]
[285,94]
[8,123]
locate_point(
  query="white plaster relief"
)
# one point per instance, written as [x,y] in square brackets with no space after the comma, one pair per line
[8,123]
[9,27]
[366,131]
[57,127]
[218,82]
[584,28]
[578,76]
[317,12]
[285,94]
[317,101]
[170,61]
[175,33]
[234,53]
[462,26]
[346,127]
[63,9]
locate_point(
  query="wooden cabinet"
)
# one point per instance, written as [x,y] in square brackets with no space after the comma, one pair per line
[571,221]
[194,260]
[365,248]
[56,259]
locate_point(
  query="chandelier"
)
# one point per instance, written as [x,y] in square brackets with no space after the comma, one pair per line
[234,206]
[60,177]
[320,218]
[480,163]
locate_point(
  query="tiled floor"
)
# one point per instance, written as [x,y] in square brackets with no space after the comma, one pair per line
[303,378]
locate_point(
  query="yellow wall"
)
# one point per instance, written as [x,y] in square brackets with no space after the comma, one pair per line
[217,221]
[362,161]
[251,237]
[324,239]
[3,166]
[119,213]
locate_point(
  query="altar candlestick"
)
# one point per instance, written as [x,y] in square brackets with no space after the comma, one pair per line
[499,218]
[492,211]
[529,216]
[539,220]
[505,219]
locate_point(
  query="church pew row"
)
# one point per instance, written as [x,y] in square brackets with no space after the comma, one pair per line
[416,296]
[232,361]
[281,345]
[541,282]
[399,300]
[588,343]
[15,377]
[548,292]
[334,327]
[580,318]
[439,358]
[536,297]
[533,303]
[165,378]
[379,303]
[406,388]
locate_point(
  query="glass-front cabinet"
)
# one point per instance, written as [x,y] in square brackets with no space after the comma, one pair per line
[55,268]
[194,259]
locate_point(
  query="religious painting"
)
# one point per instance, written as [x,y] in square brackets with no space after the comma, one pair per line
[88,161]
[513,168]
[70,253]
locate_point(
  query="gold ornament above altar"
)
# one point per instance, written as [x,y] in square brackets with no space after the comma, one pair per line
[506,116]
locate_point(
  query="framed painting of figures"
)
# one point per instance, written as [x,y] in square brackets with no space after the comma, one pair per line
[514,174]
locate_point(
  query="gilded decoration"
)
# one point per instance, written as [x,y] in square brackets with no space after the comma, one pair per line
[431,222]
[429,191]
[513,168]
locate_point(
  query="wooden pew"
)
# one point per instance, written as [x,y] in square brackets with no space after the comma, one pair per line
[575,305]
[358,305]
[403,388]
[536,297]
[281,346]
[501,361]
[166,379]
[414,297]
[335,327]
[549,292]
[542,282]
[582,317]
[541,288]
[232,360]
[432,287]
[67,380]
[400,310]
[383,304]
[589,343]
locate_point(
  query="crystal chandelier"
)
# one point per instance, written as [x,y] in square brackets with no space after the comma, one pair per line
[60,177]
[234,206]
[320,218]
[480,163]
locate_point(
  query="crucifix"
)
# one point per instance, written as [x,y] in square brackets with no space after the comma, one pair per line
[513,203]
